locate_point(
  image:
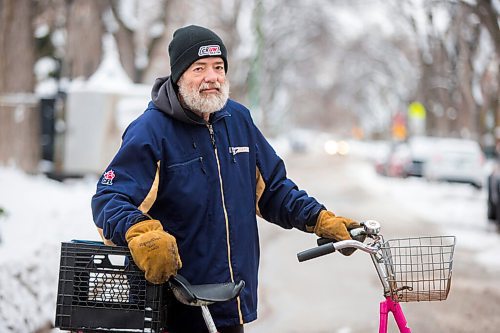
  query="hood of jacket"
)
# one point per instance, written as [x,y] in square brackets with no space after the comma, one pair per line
[165,98]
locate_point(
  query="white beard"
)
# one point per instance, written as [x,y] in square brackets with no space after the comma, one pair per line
[195,101]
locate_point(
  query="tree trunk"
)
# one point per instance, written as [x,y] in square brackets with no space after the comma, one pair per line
[84,38]
[125,40]
[16,46]
[19,118]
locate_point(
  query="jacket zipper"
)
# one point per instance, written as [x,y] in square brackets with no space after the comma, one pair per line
[185,163]
[212,138]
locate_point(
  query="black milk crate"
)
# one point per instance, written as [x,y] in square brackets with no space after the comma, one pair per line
[102,290]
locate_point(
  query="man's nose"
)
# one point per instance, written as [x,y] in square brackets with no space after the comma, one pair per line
[211,75]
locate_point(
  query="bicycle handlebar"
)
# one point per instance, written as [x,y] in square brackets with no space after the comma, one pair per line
[368,228]
[332,247]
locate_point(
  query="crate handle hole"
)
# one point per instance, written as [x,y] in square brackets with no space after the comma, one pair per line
[110,259]
[117,260]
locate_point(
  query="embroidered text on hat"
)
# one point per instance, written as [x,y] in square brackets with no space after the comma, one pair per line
[209,50]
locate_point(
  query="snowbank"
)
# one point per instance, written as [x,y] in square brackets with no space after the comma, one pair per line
[38,215]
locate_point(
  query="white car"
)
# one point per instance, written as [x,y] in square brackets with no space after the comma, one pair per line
[456,160]
[420,148]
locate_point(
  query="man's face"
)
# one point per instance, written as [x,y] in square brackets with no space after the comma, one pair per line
[203,86]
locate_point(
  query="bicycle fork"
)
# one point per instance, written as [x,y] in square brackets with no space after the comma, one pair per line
[390,306]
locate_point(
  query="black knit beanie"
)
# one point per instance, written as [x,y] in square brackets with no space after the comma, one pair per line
[190,44]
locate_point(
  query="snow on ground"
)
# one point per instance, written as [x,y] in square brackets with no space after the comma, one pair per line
[39,213]
[460,209]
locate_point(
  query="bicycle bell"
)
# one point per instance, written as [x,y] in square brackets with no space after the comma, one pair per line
[371,227]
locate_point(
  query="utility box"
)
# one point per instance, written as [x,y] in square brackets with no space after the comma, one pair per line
[95,120]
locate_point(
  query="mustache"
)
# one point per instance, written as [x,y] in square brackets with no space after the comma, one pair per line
[206,85]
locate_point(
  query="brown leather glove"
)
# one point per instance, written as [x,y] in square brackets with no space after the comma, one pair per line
[335,227]
[154,251]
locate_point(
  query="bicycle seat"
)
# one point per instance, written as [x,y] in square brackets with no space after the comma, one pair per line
[205,294]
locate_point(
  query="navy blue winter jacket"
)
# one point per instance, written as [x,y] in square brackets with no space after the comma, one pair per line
[206,189]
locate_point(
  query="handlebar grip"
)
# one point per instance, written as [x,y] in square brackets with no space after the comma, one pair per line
[358,234]
[316,252]
[322,241]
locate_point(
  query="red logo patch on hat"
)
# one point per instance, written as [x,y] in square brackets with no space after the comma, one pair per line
[107,178]
[209,50]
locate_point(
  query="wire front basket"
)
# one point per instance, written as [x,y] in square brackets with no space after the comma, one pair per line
[419,269]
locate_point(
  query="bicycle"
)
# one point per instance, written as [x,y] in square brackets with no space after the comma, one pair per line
[102,290]
[410,269]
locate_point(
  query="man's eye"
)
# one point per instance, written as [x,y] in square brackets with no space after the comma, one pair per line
[198,69]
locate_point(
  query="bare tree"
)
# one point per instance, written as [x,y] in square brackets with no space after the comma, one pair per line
[16,46]
[292,38]
[84,31]
[453,64]
[138,33]
[489,78]
[18,119]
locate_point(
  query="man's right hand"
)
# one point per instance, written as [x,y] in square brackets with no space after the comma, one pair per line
[154,251]
[337,228]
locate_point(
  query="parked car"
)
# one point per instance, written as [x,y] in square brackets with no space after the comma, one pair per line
[420,149]
[2,214]
[456,160]
[395,161]
[405,159]
[493,183]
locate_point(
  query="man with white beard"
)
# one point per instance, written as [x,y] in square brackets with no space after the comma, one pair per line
[192,173]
